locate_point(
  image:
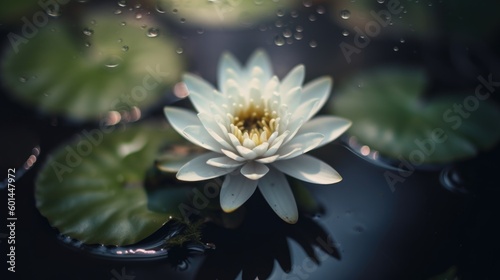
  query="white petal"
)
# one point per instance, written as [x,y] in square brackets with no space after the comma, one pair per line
[227,61]
[254,170]
[260,59]
[276,144]
[232,155]
[198,135]
[200,92]
[180,118]
[235,190]
[172,164]
[293,79]
[309,169]
[276,190]
[261,149]
[267,159]
[330,127]
[292,98]
[197,169]
[246,152]
[223,162]
[214,130]
[304,143]
[317,89]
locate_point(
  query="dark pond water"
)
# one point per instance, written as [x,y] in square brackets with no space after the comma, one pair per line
[433,220]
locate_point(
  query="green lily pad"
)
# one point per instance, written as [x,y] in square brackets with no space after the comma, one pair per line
[106,63]
[390,115]
[227,13]
[93,189]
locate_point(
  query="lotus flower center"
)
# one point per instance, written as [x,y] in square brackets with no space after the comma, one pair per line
[254,122]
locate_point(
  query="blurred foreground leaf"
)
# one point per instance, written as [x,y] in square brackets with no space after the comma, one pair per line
[103,64]
[390,116]
[94,190]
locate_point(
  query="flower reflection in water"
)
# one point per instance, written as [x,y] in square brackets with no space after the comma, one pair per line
[253,247]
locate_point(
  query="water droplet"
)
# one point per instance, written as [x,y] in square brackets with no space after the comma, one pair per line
[279,41]
[402,40]
[92,22]
[280,13]
[153,32]
[54,10]
[289,41]
[287,33]
[122,3]
[320,10]
[123,23]
[452,180]
[113,61]
[312,17]
[345,14]
[299,28]
[88,31]
[117,12]
[345,33]
[23,79]
[278,23]
[262,27]
[258,2]
[381,1]
[179,50]
[430,4]
[294,14]
[159,7]
[138,15]
[125,48]
[119,40]
[174,11]
[182,20]
[298,36]
[87,44]
[307,3]
[200,31]
[313,44]
[138,5]
[396,48]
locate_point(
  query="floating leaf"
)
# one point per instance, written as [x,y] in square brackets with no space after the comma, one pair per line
[83,70]
[93,189]
[390,115]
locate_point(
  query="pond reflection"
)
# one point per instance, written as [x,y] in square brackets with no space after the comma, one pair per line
[252,248]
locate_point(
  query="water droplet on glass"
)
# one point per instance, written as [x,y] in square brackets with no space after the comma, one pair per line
[299,28]
[153,32]
[320,10]
[122,3]
[144,26]
[312,17]
[294,14]
[381,1]
[138,5]
[113,61]
[262,27]
[280,13]
[298,36]
[307,3]
[200,31]
[159,7]
[287,33]
[87,44]
[345,14]
[313,44]
[452,180]
[125,48]
[92,22]
[123,23]
[119,40]
[182,20]
[396,48]
[430,5]
[88,31]
[402,40]
[279,41]
[179,50]
[23,79]
[289,41]
[174,11]
[138,16]
[54,10]
[345,33]
[278,23]
[117,12]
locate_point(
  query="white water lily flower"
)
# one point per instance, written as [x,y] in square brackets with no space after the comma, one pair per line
[256,128]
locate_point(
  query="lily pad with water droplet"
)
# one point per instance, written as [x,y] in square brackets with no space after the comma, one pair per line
[81,69]
[94,189]
[390,115]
